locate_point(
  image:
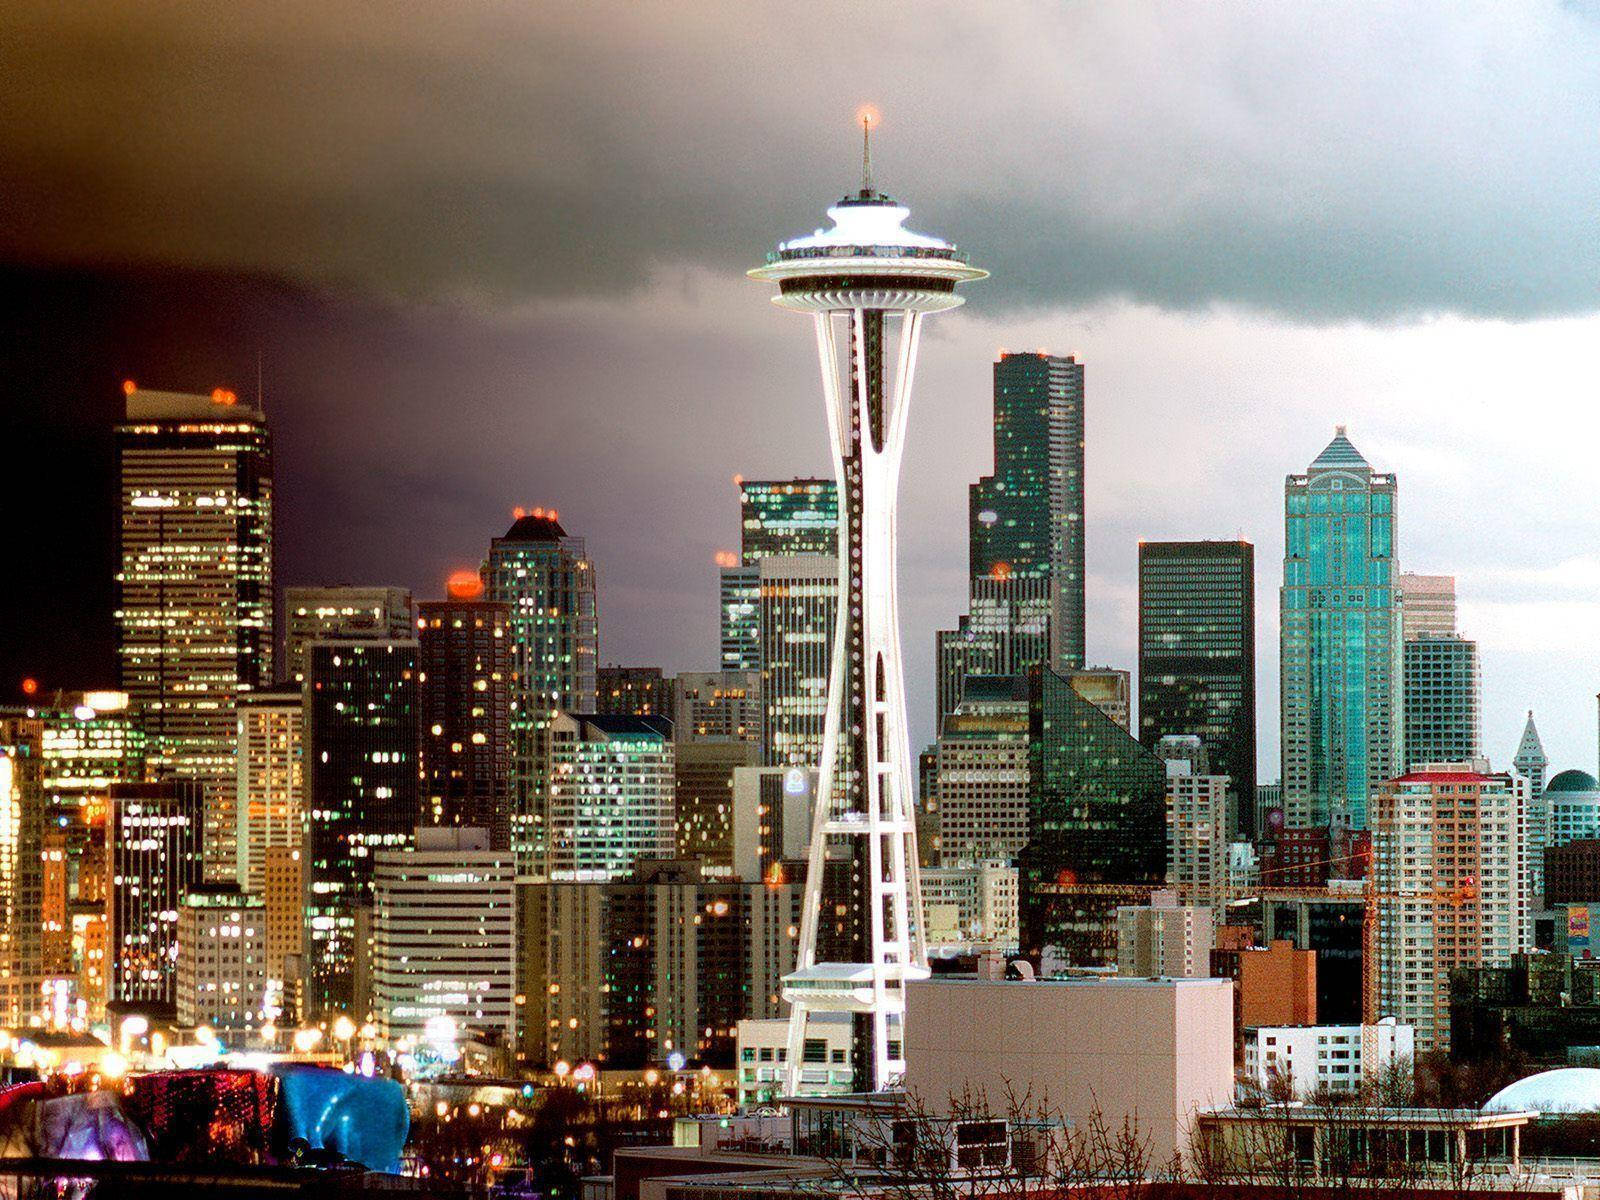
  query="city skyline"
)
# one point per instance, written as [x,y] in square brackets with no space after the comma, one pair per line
[353,367]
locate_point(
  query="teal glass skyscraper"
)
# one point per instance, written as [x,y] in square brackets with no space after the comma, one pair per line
[1340,639]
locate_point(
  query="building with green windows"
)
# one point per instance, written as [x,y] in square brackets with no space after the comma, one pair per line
[787,517]
[1340,639]
[546,578]
[1097,834]
[1197,657]
[1025,532]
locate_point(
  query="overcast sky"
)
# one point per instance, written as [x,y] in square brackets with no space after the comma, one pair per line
[516,236]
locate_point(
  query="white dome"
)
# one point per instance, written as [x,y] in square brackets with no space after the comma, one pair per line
[1567,1089]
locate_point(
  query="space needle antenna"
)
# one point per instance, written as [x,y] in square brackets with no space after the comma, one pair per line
[866,151]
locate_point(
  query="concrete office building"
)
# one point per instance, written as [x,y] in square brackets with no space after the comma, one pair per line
[981,773]
[717,706]
[1165,939]
[1305,1061]
[1161,1050]
[271,779]
[444,935]
[799,601]
[222,960]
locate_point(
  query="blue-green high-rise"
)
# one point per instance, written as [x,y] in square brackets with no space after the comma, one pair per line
[1340,637]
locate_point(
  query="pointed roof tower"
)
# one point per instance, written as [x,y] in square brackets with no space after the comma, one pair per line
[1530,758]
[1340,455]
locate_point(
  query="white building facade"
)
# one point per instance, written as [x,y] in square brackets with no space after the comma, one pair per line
[444,934]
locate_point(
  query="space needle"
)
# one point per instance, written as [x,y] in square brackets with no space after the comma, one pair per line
[867,282]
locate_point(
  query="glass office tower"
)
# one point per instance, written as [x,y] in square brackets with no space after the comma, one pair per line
[1340,639]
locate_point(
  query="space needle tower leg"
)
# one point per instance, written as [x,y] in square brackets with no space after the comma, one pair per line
[867,283]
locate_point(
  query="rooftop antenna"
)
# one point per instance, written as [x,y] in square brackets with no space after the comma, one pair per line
[260,403]
[868,116]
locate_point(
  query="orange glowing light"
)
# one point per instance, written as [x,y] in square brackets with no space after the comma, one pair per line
[1002,570]
[30,686]
[868,116]
[129,387]
[223,396]
[1066,877]
[726,558]
[464,585]
[519,512]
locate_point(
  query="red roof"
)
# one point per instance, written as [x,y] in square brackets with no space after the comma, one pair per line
[1447,777]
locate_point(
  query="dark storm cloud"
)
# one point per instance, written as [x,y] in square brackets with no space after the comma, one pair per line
[1320,162]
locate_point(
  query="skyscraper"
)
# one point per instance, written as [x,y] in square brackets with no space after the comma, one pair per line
[1530,759]
[1340,639]
[22,803]
[634,692]
[362,778]
[785,517]
[444,935]
[89,740]
[1026,519]
[194,588]
[1005,631]
[798,610]
[611,795]
[739,609]
[1197,656]
[1025,533]
[271,780]
[157,831]
[464,690]
[1428,605]
[868,283]
[1441,698]
[778,518]
[1449,869]
[1097,834]
[337,612]
[548,581]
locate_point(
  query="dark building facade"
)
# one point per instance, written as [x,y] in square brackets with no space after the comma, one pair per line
[157,847]
[363,795]
[1542,1005]
[634,692]
[1572,873]
[1332,928]
[1096,826]
[1197,656]
[780,517]
[1026,519]
[1441,699]
[464,696]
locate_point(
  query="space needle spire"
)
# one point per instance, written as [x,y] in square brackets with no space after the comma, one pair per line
[867,283]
